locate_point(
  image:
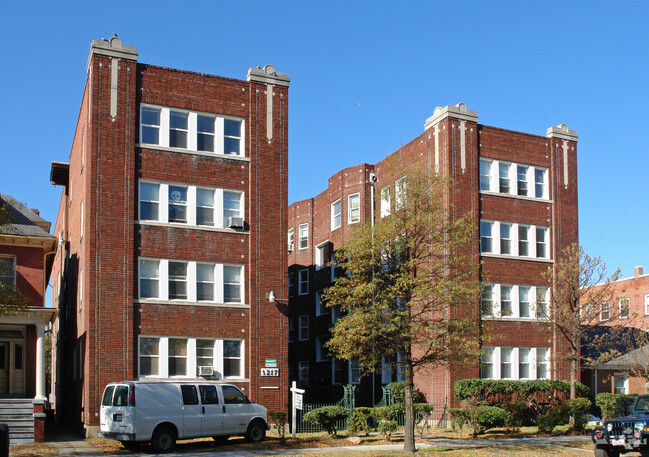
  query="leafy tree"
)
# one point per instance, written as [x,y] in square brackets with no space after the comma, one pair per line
[410,286]
[582,290]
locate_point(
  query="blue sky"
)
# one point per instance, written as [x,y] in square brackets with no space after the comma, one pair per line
[364,78]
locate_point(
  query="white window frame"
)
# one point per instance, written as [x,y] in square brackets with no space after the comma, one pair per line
[535,244]
[625,382]
[502,178]
[303,328]
[385,201]
[303,282]
[336,214]
[537,300]
[290,239]
[646,304]
[192,132]
[400,193]
[218,357]
[321,257]
[219,221]
[303,236]
[192,282]
[620,306]
[605,310]
[353,208]
[538,358]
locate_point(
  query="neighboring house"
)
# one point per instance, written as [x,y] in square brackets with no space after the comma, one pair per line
[629,308]
[26,254]
[173,221]
[521,191]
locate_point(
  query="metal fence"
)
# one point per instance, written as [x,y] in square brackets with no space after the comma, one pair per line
[348,402]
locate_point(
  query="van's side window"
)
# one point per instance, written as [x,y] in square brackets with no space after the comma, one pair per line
[121,396]
[108,396]
[190,397]
[233,395]
[209,395]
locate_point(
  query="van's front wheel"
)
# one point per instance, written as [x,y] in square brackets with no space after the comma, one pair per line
[256,432]
[163,439]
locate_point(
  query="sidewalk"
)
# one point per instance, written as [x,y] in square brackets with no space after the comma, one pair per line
[69,444]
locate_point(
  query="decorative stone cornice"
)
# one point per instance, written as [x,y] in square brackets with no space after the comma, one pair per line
[562,132]
[111,48]
[458,111]
[268,75]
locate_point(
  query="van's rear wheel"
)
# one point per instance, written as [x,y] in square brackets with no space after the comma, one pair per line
[163,439]
[256,432]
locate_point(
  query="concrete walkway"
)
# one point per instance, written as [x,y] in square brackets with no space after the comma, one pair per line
[77,446]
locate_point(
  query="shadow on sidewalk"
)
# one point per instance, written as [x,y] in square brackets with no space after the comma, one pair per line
[62,432]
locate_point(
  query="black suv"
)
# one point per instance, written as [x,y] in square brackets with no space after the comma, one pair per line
[625,434]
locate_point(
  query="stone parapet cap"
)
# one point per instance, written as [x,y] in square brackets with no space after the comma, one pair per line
[562,132]
[111,48]
[458,111]
[268,75]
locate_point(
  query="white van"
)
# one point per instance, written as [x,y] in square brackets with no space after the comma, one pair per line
[162,412]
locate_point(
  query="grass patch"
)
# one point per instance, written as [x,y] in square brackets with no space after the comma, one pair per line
[34,450]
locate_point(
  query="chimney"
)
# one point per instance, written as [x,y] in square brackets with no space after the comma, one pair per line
[36,211]
[638,271]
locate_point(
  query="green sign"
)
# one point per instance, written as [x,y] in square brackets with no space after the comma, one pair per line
[271,363]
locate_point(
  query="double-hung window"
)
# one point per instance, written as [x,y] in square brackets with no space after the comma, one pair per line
[524,363]
[541,242]
[505,238]
[523,240]
[177,280]
[320,349]
[149,356]
[303,236]
[290,239]
[303,372]
[485,174]
[506,301]
[400,193]
[487,363]
[177,357]
[354,371]
[205,353]
[508,238]
[8,271]
[542,363]
[506,363]
[486,300]
[623,308]
[149,278]
[191,131]
[486,238]
[605,312]
[522,186]
[646,304]
[205,206]
[303,329]
[232,283]
[149,201]
[512,301]
[178,204]
[514,363]
[542,305]
[204,282]
[335,215]
[540,183]
[504,179]
[524,301]
[385,201]
[353,208]
[303,282]
[178,129]
[232,359]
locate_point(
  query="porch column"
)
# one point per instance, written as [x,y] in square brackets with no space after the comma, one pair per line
[40,362]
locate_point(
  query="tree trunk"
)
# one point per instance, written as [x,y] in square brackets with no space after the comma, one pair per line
[409,429]
[573,382]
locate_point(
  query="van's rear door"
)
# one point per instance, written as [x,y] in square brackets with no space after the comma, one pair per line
[116,415]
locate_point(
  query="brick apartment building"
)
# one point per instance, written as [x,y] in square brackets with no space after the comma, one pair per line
[173,221]
[26,254]
[630,308]
[521,191]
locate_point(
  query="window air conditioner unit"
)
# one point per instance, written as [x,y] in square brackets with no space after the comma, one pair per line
[205,371]
[235,222]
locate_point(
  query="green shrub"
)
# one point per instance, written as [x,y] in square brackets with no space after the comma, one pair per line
[495,391]
[279,418]
[326,417]
[614,405]
[399,390]
[422,414]
[384,413]
[580,409]
[556,414]
[387,428]
[519,414]
[359,421]
[491,417]
[479,418]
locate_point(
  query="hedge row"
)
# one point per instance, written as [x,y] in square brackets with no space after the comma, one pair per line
[497,391]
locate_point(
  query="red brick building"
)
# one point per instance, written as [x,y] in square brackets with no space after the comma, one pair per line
[26,254]
[521,191]
[629,308]
[173,221]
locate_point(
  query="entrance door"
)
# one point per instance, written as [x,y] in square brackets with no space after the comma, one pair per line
[4,368]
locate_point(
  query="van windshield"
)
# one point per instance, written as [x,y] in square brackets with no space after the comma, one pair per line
[108,396]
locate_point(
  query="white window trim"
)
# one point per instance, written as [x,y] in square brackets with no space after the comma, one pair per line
[625,383]
[320,258]
[514,233]
[515,361]
[320,309]
[400,196]
[301,280]
[300,237]
[192,356]
[350,209]
[220,222]
[494,180]
[163,283]
[385,201]
[336,224]
[290,239]
[646,304]
[628,307]
[192,131]
[603,305]
[496,300]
